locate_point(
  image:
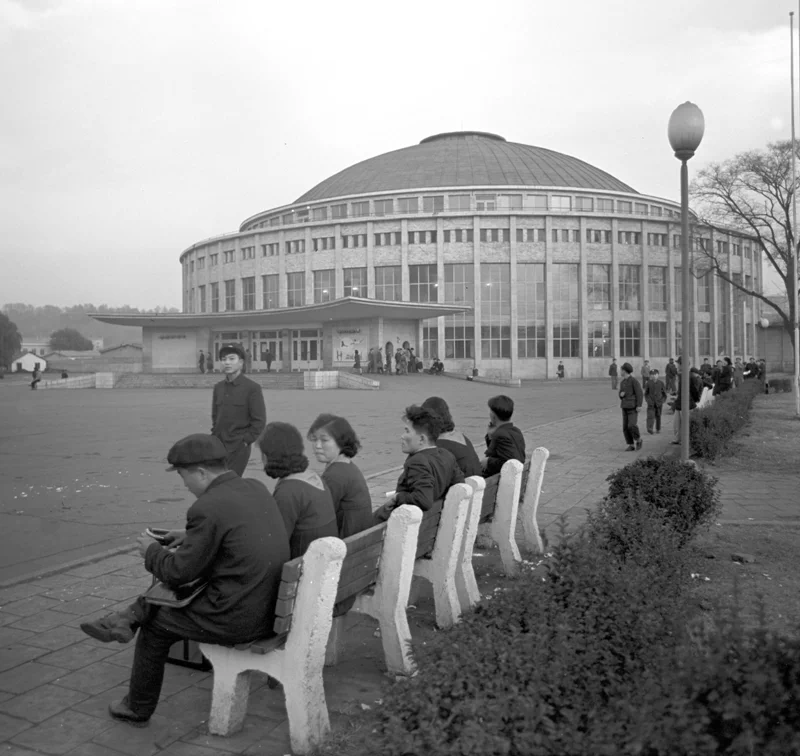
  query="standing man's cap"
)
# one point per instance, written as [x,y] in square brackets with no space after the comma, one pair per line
[194,450]
[231,349]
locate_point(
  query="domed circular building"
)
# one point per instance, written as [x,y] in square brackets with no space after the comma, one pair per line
[488,254]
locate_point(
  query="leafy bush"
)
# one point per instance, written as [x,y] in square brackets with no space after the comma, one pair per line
[687,496]
[538,667]
[712,427]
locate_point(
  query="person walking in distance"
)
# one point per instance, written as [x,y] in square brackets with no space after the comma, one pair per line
[268,360]
[672,376]
[36,377]
[201,363]
[613,372]
[630,395]
[560,372]
[645,372]
[238,414]
[655,394]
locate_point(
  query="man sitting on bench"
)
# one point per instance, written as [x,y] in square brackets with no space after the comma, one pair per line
[235,539]
[429,471]
[504,441]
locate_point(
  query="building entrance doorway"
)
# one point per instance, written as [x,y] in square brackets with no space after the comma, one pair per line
[264,341]
[307,349]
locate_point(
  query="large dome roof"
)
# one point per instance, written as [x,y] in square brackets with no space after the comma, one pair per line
[463,158]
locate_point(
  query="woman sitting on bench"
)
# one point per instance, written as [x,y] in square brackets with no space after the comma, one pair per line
[303,499]
[335,443]
[454,441]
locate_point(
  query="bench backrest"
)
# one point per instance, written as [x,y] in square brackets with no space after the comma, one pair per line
[428,529]
[359,572]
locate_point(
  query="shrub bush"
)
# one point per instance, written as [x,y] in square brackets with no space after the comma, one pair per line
[712,427]
[687,496]
[538,667]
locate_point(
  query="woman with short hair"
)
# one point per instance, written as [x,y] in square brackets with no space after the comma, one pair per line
[335,443]
[303,498]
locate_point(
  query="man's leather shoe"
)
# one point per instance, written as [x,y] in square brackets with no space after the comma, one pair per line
[638,444]
[112,627]
[123,713]
[630,448]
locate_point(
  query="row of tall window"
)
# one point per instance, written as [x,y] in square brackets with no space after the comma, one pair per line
[495,304]
[460,235]
[463,203]
[459,279]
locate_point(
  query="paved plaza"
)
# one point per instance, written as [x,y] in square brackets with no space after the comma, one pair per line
[105,451]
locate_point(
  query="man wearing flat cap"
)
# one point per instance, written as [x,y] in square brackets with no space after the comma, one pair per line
[235,541]
[238,414]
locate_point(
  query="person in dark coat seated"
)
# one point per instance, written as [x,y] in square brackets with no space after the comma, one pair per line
[454,441]
[428,471]
[235,539]
[302,497]
[335,443]
[504,441]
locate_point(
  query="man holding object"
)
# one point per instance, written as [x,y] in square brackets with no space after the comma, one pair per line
[238,414]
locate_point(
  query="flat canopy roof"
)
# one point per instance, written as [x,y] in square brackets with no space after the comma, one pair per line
[348,308]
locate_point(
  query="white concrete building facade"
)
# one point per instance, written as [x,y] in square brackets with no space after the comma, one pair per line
[541,256]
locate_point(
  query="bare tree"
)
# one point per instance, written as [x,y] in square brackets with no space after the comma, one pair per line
[752,193]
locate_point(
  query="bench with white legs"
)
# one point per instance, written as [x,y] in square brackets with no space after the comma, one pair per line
[375,568]
[377,572]
[498,520]
[439,547]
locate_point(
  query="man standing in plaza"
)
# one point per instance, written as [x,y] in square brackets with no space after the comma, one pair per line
[201,363]
[238,414]
[613,372]
[268,360]
[631,398]
[672,376]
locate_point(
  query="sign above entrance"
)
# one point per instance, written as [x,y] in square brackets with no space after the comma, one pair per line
[348,330]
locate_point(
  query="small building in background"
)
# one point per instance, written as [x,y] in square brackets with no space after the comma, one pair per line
[27,362]
[36,345]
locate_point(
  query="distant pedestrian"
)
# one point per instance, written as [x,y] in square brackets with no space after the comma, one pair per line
[738,372]
[357,362]
[389,356]
[268,359]
[248,361]
[201,363]
[560,372]
[36,376]
[630,395]
[238,414]
[613,372]
[645,372]
[672,376]
[64,374]
[655,394]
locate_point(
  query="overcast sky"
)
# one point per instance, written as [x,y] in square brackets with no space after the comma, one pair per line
[131,129]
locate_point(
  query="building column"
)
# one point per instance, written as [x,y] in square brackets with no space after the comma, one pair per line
[404,284]
[615,320]
[645,258]
[338,270]
[308,269]
[439,285]
[672,307]
[282,291]
[514,320]
[583,311]
[476,263]
[370,264]
[550,364]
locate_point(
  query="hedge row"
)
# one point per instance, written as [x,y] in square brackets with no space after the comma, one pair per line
[712,427]
[593,654]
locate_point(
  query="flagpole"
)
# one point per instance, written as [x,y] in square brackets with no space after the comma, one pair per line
[795,278]
[794,273]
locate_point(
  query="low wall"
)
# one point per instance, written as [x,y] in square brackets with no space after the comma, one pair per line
[493,380]
[333,379]
[77,382]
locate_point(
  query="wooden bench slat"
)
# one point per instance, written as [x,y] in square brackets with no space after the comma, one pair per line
[365,555]
[358,573]
[283,608]
[355,587]
[292,570]
[282,625]
[287,590]
[365,539]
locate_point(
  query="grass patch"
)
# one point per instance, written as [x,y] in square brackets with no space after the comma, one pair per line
[770,443]
[767,591]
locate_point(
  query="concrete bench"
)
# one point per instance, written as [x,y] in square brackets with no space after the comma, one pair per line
[377,572]
[439,547]
[498,520]
[378,560]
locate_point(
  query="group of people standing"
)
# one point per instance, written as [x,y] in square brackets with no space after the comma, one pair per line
[719,378]
[405,361]
[238,535]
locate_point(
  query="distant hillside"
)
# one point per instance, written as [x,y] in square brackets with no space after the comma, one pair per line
[40,322]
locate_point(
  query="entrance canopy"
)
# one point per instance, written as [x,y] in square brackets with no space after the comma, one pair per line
[348,308]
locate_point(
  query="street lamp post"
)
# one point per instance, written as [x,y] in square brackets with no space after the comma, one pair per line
[685,132]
